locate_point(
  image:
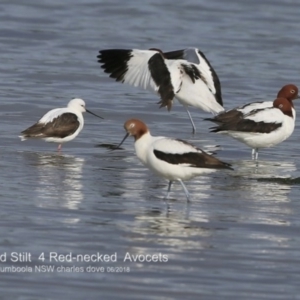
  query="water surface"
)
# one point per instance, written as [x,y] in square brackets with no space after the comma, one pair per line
[238,239]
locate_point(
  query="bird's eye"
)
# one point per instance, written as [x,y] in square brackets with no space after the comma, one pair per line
[280,105]
[131,125]
[293,91]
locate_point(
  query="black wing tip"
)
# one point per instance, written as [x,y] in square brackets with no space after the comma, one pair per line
[115,65]
[228,166]
[113,52]
[216,79]
[115,62]
[210,119]
[215,129]
[177,54]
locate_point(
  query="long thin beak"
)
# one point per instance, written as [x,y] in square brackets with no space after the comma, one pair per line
[125,137]
[88,111]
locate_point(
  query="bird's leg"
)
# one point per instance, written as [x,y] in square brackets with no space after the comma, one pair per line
[254,153]
[59,148]
[194,127]
[187,194]
[169,189]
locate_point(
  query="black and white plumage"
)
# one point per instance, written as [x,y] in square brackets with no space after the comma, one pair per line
[173,159]
[288,91]
[261,128]
[184,74]
[59,125]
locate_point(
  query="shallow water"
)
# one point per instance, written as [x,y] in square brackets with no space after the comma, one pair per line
[238,239]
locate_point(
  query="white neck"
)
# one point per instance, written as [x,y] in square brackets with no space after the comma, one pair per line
[142,146]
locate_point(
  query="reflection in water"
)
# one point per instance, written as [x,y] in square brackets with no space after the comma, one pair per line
[181,227]
[171,229]
[168,223]
[266,202]
[174,223]
[59,180]
[107,176]
[266,169]
[250,186]
[52,59]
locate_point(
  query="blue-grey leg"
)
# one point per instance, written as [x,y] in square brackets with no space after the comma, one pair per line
[194,127]
[187,194]
[255,153]
[169,189]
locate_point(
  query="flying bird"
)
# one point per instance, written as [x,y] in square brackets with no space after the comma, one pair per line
[186,75]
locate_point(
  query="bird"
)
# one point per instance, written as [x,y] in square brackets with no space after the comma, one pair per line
[288,91]
[172,159]
[184,74]
[59,125]
[262,127]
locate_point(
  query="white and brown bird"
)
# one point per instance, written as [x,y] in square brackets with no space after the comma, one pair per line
[183,74]
[172,159]
[262,127]
[288,91]
[59,125]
